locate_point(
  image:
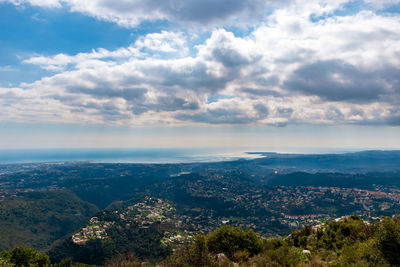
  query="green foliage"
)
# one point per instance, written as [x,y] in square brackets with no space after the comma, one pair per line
[300,238]
[346,242]
[24,257]
[218,248]
[282,256]
[196,254]
[337,234]
[388,240]
[65,263]
[229,240]
[363,254]
[199,251]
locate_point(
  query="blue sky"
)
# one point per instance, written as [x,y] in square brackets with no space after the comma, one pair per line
[178,73]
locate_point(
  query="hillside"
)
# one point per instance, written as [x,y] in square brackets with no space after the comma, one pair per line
[48,207]
[149,227]
[37,219]
[348,241]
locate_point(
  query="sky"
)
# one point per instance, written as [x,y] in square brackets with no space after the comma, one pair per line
[190,73]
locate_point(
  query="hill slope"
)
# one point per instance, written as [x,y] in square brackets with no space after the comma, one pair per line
[37,219]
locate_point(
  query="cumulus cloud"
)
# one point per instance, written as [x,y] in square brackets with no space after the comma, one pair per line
[228,111]
[39,3]
[338,81]
[132,13]
[62,61]
[289,69]
[169,42]
[193,12]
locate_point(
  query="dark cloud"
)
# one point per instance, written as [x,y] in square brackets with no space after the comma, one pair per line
[392,120]
[356,112]
[175,103]
[188,11]
[230,57]
[261,92]
[109,92]
[132,93]
[391,117]
[339,81]
[217,116]
[225,116]
[334,114]
[135,98]
[223,48]
[197,80]
[165,103]
[272,80]
[217,10]
[285,112]
[71,100]
[262,111]
[107,110]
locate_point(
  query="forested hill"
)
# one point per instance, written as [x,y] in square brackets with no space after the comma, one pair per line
[37,219]
[44,206]
[348,241]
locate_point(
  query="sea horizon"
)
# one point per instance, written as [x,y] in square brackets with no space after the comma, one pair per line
[154,155]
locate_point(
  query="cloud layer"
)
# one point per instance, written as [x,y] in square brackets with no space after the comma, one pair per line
[301,63]
[132,13]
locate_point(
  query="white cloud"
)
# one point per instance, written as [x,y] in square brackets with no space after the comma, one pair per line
[39,3]
[288,70]
[169,42]
[60,62]
[206,13]
[184,12]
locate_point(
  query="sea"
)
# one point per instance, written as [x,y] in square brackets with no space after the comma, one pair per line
[118,155]
[146,155]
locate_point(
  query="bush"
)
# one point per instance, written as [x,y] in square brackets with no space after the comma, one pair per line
[26,257]
[388,240]
[229,240]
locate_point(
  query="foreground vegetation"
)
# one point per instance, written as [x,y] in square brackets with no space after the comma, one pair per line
[349,241]
[346,242]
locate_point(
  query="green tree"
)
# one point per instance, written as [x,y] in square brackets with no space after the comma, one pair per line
[388,240]
[363,254]
[42,260]
[199,251]
[229,240]
[65,263]
[27,257]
